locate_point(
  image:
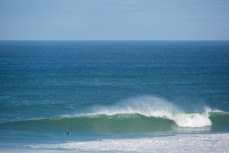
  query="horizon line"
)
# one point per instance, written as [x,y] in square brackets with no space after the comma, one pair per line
[111,40]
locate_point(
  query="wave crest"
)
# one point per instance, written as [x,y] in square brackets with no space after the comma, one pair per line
[151,106]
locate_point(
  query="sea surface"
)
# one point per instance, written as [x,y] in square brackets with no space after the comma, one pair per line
[114,96]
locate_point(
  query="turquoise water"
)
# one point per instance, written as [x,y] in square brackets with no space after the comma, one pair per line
[111,89]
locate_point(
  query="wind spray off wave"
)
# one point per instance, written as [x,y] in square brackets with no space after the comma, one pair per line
[151,106]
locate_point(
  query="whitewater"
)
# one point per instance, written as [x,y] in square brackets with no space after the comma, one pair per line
[186,143]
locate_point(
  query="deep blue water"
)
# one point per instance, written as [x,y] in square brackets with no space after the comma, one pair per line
[48,79]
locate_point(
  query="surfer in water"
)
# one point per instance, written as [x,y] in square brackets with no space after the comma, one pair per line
[68,133]
[99,139]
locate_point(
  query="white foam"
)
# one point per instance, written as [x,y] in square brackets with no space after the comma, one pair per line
[192,120]
[187,143]
[156,107]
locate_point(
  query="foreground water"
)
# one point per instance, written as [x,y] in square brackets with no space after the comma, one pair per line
[126,92]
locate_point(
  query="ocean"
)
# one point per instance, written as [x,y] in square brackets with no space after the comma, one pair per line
[114,96]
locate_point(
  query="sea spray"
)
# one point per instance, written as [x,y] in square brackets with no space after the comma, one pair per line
[152,106]
[144,105]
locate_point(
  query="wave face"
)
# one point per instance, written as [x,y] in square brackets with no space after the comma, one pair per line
[146,114]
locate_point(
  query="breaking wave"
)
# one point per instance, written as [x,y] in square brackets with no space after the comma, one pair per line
[136,115]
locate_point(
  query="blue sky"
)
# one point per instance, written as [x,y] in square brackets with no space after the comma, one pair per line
[114,19]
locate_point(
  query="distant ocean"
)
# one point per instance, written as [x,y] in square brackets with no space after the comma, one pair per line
[114,96]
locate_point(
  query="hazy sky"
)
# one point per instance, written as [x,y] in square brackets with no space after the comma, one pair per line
[114,19]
